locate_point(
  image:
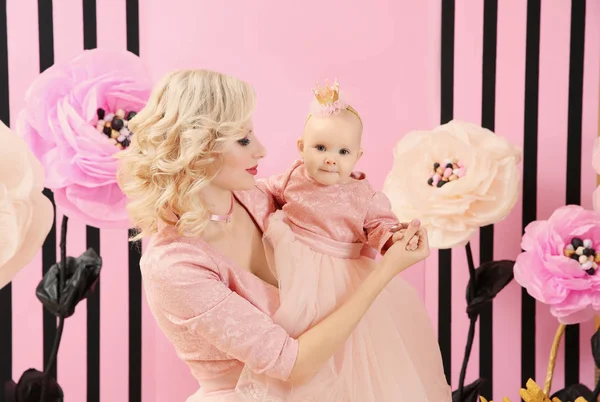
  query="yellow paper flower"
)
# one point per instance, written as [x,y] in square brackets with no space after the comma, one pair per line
[533,393]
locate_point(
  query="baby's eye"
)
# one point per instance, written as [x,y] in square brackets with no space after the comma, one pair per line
[244,142]
[320,148]
[344,152]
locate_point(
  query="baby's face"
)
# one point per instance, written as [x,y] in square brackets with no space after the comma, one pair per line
[330,147]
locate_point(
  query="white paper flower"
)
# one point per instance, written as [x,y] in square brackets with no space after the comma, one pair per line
[455,179]
[25,213]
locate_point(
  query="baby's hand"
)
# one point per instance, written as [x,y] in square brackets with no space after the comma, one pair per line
[412,244]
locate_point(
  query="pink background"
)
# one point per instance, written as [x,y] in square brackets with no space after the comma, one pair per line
[387,57]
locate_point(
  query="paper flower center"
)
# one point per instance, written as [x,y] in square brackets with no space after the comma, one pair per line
[584,252]
[446,172]
[115,126]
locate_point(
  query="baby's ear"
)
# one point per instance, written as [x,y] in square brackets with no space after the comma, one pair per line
[300,144]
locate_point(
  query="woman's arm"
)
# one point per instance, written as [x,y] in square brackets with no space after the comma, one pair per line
[320,342]
[184,286]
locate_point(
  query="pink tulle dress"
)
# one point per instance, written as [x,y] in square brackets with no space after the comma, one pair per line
[321,246]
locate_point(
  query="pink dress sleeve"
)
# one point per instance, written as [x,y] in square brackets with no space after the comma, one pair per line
[259,203]
[276,184]
[379,221]
[192,294]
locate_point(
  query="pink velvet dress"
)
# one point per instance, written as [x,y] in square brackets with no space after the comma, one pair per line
[320,246]
[216,314]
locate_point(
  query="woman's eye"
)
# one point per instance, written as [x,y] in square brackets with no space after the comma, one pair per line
[244,142]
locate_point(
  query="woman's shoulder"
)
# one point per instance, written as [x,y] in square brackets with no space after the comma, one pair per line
[166,250]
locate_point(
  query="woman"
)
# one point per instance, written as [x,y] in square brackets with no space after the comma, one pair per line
[189,175]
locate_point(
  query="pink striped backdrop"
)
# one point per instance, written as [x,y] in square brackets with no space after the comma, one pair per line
[386,55]
[552,136]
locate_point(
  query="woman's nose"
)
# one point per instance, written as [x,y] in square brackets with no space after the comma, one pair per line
[260,152]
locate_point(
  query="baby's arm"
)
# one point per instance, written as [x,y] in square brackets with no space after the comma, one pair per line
[378,222]
[275,185]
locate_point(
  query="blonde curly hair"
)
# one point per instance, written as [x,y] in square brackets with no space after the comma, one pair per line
[191,116]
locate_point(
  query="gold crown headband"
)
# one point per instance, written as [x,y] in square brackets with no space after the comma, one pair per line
[327,102]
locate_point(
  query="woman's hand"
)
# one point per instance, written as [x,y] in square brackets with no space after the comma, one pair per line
[401,256]
[412,243]
[398,233]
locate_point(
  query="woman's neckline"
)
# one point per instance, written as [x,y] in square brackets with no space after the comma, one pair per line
[234,265]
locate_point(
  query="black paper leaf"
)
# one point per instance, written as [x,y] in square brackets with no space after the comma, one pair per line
[470,392]
[81,276]
[491,277]
[29,388]
[573,392]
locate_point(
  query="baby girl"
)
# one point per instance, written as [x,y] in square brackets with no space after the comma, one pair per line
[321,245]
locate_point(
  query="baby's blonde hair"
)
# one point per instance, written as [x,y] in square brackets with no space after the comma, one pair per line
[191,116]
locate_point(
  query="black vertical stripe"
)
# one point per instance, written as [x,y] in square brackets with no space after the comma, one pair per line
[445,309]
[90,31]
[445,256]
[574,150]
[46,51]
[6,291]
[135,280]
[90,41]
[486,234]
[5,337]
[530,155]
[133,26]
[93,326]
[4,84]
[135,322]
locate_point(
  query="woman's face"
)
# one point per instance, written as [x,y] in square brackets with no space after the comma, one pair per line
[240,163]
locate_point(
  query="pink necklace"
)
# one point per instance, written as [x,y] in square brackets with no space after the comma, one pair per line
[223,218]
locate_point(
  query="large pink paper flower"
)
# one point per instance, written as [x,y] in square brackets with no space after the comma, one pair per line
[455,179]
[559,264]
[25,213]
[75,120]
